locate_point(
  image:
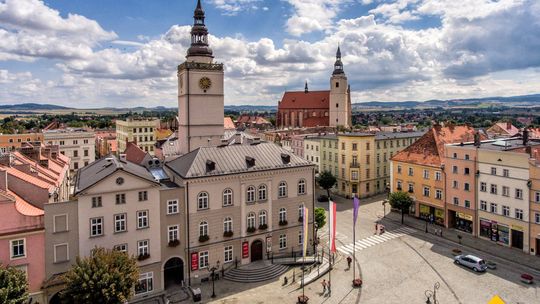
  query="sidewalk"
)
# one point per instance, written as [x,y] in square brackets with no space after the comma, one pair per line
[510,254]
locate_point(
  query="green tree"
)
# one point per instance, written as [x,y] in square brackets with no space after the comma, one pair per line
[326,181]
[13,286]
[320,219]
[108,276]
[402,201]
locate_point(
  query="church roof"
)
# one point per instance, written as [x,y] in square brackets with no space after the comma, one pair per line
[303,100]
[315,122]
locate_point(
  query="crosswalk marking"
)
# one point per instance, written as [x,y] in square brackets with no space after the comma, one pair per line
[375,240]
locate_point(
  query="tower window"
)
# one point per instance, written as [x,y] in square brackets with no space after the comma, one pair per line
[337,105]
[337,84]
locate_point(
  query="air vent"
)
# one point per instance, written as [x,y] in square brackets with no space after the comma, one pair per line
[210,166]
[250,161]
[286,158]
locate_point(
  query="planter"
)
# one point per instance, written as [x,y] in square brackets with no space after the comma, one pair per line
[174,243]
[228,233]
[283,223]
[527,278]
[143,257]
[204,238]
[357,282]
[251,229]
[491,265]
[303,299]
[263,227]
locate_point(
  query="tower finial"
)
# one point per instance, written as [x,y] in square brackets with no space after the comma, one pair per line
[306,88]
[338,53]
[338,65]
[199,35]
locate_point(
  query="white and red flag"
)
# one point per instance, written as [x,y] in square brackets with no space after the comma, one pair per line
[332,225]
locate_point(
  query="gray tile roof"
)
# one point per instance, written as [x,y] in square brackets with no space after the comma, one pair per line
[232,159]
[93,173]
[393,135]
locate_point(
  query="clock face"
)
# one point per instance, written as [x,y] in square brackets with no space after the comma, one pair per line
[205,83]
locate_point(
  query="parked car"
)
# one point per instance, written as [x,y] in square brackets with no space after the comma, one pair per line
[471,261]
[322,198]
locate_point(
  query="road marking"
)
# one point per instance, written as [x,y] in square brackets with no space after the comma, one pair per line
[375,240]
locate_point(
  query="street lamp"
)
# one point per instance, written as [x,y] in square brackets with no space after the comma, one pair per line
[213,271]
[432,294]
[387,190]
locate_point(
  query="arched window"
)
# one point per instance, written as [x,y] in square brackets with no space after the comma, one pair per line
[203,229]
[302,186]
[227,197]
[282,190]
[202,200]
[227,224]
[251,220]
[282,215]
[262,192]
[300,213]
[262,218]
[250,197]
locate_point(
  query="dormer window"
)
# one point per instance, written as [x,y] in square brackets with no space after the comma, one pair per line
[337,83]
[250,161]
[210,166]
[286,158]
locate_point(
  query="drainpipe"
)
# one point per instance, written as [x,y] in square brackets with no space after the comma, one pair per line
[188,122]
[476,178]
[186,201]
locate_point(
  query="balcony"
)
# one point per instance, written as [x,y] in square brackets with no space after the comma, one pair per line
[355,165]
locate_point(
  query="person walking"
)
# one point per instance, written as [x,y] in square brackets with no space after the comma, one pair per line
[329,289]
[323,283]
[349,261]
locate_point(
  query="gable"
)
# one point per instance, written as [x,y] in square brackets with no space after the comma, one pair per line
[108,184]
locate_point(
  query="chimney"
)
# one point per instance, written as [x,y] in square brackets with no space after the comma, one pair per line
[528,150]
[123,157]
[476,139]
[238,138]
[508,125]
[3,180]
[525,136]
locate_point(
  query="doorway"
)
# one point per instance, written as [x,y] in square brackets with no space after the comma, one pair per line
[173,272]
[517,239]
[256,250]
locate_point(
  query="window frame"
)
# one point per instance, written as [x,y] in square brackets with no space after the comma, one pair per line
[12,249]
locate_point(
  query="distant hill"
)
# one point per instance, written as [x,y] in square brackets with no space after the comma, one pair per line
[32,106]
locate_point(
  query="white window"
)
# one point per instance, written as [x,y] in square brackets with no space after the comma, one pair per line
[398,185]
[143,248]
[262,218]
[466,187]
[519,214]
[302,186]
[454,169]
[537,218]
[411,171]
[411,188]
[455,184]
[202,200]
[227,197]
[493,171]
[483,205]
[228,254]
[143,196]
[282,215]
[505,191]
[120,247]
[173,233]
[519,194]
[262,192]
[250,194]
[96,202]
[142,219]
[203,259]
[203,228]
[120,222]
[467,157]
[300,237]
[537,197]
[506,210]
[145,283]
[227,224]
[18,248]
[493,208]
[483,187]
[398,167]
[300,212]
[456,201]
[493,189]
[282,190]
[438,194]
[251,220]
[426,174]
[96,226]
[120,198]
[506,173]
[467,204]
[437,175]
[282,241]
[354,174]
[172,207]
[426,191]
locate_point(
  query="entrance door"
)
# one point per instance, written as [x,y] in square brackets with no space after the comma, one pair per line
[55,299]
[537,246]
[256,250]
[517,239]
[173,272]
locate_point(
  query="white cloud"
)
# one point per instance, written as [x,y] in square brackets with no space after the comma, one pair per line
[313,15]
[233,7]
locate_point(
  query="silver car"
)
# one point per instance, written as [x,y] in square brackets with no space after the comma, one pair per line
[471,261]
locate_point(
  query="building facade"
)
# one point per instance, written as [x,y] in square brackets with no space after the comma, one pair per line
[312,151]
[12,142]
[77,144]
[139,131]
[534,198]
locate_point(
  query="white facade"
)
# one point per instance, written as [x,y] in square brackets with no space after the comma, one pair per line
[312,147]
[77,144]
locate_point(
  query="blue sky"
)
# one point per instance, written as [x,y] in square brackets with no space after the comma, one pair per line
[124,53]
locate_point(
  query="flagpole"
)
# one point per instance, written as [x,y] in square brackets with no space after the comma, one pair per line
[354,251]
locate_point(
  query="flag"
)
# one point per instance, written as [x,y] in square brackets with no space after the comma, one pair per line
[305,216]
[356,204]
[332,225]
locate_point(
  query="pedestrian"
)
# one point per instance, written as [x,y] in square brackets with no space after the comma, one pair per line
[376,228]
[349,261]
[323,283]
[329,288]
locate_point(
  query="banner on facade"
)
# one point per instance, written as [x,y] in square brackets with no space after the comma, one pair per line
[194,261]
[245,250]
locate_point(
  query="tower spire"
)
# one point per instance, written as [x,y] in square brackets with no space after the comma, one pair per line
[306,88]
[199,35]
[338,65]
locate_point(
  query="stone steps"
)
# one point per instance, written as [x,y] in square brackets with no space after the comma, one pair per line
[243,275]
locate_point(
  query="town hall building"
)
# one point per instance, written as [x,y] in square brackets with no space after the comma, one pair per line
[303,109]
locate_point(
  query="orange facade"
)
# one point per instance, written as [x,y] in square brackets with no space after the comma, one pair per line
[10,142]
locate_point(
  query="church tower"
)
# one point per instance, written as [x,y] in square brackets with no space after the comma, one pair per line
[340,107]
[200,92]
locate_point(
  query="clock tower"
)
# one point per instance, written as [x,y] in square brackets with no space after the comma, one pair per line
[200,92]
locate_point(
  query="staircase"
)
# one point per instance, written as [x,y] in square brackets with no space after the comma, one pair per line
[253,275]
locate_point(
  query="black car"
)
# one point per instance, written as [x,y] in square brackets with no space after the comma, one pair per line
[322,198]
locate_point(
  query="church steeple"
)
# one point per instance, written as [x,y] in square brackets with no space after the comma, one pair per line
[338,65]
[306,90]
[199,35]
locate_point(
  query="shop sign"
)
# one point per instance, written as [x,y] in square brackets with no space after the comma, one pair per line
[424,209]
[245,250]
[268,244]
[194,261]
[464,216]
[517,228]
[439,213]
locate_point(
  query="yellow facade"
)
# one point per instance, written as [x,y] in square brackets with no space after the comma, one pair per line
[356,163]
[534,198]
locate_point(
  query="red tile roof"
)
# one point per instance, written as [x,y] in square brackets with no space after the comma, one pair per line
[303,100]
[228,123]
[429,149]
[315,122]
[24,207]
[134,153]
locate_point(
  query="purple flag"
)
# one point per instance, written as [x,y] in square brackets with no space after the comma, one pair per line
[356,203]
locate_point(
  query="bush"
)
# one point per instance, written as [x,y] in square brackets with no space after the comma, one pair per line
[143,257]
[204,238]
[283,223]
[251,229]
[13,286]
[174,243]
[263,227]
[228,233]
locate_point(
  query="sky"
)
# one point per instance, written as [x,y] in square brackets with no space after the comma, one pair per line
[102,53]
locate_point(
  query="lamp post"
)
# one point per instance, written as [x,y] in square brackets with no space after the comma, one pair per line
[213,271]
[432,294]
[387,190]
[427,219]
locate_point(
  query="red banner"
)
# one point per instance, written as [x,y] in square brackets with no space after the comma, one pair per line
[245,250]
[194,261]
